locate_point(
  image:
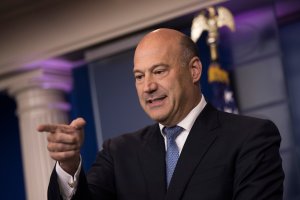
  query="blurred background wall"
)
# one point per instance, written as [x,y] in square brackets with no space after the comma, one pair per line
[85,51]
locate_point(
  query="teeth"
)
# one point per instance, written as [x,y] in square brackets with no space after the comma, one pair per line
[156,99]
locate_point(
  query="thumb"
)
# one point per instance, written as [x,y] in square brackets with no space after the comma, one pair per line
[78,123]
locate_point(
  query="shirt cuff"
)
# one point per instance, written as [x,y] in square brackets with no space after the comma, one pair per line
[67,183]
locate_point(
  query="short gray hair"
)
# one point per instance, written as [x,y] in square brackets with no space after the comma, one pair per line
[189,49]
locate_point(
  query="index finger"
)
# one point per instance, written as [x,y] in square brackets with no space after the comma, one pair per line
[51,128]
[47,128]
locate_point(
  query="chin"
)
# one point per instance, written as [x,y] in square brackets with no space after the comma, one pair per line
[158,118]
[159,115]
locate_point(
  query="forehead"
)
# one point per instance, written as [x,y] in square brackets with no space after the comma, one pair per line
[154,52]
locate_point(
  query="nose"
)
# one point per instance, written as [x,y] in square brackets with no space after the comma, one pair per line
[149,85]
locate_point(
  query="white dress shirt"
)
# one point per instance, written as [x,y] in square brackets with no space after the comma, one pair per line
[68,184]
[187,124]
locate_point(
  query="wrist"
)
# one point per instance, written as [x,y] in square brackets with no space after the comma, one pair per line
[70,166]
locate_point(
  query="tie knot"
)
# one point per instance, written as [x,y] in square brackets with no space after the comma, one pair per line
[172,132]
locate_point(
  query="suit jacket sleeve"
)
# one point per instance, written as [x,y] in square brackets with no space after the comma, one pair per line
[258,172]
[98,184]
[53,187]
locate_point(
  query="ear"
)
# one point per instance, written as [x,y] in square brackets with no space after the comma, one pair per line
[195,69]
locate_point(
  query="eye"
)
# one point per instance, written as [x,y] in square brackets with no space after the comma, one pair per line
[160,71]
[138,77]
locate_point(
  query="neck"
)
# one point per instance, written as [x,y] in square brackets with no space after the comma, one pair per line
[194,102]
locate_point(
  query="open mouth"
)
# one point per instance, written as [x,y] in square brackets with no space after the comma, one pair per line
[156,101]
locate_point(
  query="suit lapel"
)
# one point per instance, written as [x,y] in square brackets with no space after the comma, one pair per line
[200,138]
[152,158]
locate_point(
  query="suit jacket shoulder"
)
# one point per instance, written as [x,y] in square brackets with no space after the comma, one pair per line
[243,154]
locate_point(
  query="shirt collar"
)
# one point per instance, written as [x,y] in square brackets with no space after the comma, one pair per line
[189,120]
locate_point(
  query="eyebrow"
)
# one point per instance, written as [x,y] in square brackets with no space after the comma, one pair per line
[152,67]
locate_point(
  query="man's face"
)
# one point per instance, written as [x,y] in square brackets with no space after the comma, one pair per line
[164,86]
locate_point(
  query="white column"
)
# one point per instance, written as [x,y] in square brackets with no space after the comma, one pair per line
[39,94]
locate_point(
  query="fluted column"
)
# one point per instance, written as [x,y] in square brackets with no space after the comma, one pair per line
[39,94]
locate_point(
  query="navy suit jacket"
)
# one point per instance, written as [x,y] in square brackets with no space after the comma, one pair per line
[225,157]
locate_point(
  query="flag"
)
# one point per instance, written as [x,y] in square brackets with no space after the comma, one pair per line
[222,94]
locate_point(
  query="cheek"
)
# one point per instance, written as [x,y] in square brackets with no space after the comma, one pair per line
[139,93]
[140,96]
[177,94]
[174,88]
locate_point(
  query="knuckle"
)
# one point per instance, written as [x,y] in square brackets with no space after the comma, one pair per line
[53,156]
[60,137]
[49,138]
[74,140]
[73,153]
[61,156]
[49,147]
[77,146]
[66,155]
[58,147]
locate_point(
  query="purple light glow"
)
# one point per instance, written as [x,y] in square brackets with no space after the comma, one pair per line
[56,64]
[286,7]
[257,15]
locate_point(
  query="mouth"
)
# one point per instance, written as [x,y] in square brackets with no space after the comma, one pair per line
[157,101]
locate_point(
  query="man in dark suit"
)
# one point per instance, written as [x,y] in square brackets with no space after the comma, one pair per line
[194,152]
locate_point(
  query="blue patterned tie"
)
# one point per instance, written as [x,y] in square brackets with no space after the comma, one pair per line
[172,154]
